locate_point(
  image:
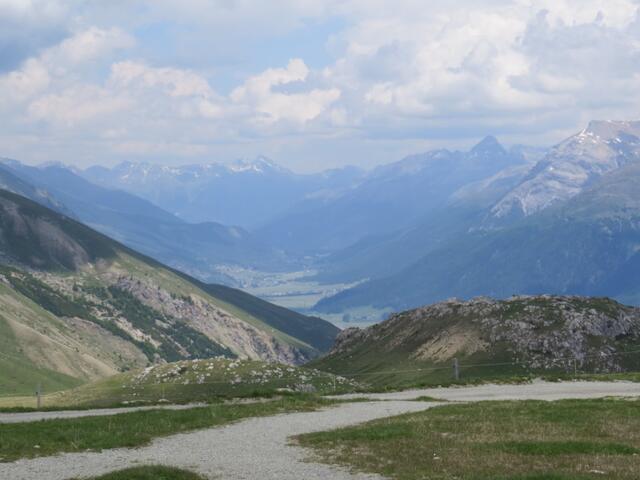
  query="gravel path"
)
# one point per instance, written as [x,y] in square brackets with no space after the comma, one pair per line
[98,412]
[254,448]
[537,390]
[259,447]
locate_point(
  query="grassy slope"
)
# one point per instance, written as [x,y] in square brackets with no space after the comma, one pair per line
[19,375]
[19,440]
[565,440]
[45,346]
[380,365]
[378,369]
[200,380]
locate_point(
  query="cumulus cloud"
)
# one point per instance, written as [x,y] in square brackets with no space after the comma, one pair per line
[397,74]
[90,44]
[270,106]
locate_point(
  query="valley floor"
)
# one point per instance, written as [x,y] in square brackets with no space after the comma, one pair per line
[262,446]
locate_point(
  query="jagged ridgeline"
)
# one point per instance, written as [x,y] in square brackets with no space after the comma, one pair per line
[77,306]
[491,339]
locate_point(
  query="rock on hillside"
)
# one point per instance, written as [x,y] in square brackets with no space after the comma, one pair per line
[542,332]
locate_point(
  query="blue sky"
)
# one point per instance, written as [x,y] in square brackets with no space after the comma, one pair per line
[311,84]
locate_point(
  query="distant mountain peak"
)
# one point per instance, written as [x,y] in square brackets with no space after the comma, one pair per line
[602,147]
[610,129]
[260,164]
[489,145]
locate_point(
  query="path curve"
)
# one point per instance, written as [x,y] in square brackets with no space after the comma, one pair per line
[254,448]
[259,447]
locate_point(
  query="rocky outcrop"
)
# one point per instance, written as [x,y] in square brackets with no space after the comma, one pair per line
[539,332]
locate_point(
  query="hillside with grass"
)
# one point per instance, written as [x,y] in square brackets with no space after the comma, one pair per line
[207,380]
[78,306]
[491,339]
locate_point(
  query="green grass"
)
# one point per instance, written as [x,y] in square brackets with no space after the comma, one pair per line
[135,429]
[149,473]
[528,440]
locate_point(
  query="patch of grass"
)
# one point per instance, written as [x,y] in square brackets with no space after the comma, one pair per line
[149,473]
[529,440]
[48,437]
[564,448]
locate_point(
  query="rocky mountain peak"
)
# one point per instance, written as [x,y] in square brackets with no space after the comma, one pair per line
[488,146]
[572,165]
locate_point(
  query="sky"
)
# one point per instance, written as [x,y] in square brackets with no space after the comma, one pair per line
[310,84]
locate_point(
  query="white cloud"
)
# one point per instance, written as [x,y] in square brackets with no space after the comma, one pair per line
[399,72]
[77,104]
[172,81]
[21,84]
[91,44]
[270,106]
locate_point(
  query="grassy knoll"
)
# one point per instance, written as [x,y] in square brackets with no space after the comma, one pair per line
[516,337]
[149,473]
[197,380]
[528,440]
[48,437]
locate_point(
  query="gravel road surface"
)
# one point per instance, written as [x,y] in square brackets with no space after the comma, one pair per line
[98,412]
[537,390]
[259,447]
[254,448]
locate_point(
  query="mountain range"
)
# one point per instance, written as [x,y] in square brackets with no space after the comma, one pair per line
[488,221]
[245,193]
[570,225]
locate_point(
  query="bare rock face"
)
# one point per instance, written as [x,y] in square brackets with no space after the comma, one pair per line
[201,314]
[540,332]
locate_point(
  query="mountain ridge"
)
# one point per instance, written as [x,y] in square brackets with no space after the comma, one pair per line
[585,244]
[61,278]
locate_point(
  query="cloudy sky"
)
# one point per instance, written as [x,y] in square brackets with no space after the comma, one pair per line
[312,84]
